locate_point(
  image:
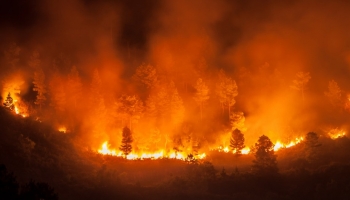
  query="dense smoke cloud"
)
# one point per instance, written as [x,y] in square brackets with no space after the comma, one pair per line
[261,45]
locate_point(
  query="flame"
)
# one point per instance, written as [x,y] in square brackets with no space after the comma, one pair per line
[62,129]
[245,150]
[105,150]
[16,110]
[279,145]
[336,133]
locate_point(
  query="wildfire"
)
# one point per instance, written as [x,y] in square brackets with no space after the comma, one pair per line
[279,145]
[105,150]
[62,129]
[246,150]
[336,133]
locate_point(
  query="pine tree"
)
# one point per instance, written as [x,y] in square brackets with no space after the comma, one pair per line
[129,109]
[147,75]
[310,146]
[127,139]
[177,108]
[237,120]
[237,141]
[299,84]
[9,102]
[265,158]
[334,93]
[226,90]
[202,94]
[39,87]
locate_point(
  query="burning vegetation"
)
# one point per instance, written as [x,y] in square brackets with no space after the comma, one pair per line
[185,82]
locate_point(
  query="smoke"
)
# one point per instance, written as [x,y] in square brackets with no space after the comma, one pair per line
[261,45]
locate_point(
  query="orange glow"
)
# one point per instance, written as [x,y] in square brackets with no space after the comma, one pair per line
[105,150]
[246,150]
[279,145]
[62,129]
[336,133]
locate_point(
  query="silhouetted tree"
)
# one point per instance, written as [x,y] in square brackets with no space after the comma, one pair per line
[9,102]
[237,141]
[127,139]
[310,145]
[202,94]
[299,84]
[8,184]
[265,158]
[37,191]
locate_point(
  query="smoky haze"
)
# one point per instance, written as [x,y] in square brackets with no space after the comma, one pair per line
[260,45]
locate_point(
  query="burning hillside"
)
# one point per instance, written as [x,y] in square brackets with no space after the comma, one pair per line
[192,81]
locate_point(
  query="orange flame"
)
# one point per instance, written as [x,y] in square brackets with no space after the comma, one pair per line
[105,150]
[336,133]
[279,145]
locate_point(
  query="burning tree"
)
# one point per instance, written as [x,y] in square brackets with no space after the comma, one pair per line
[300,82]
[126,147]
[237,120]
[202,94]
[9,102]
[147,75]
[237,142]
[334,93]
[226,89]
[265,158]
[129,109]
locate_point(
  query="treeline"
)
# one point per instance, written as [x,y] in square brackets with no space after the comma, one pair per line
[10,189]
[317,168]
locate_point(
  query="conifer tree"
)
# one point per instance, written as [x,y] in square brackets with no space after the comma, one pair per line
[147,75]
[226,90]
[127,139]
[202,94]
[333,93]
[237,141]
[39,87]
[9,102]
[300,83]
[265,158]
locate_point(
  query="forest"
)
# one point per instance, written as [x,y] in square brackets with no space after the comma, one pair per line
[174,100]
